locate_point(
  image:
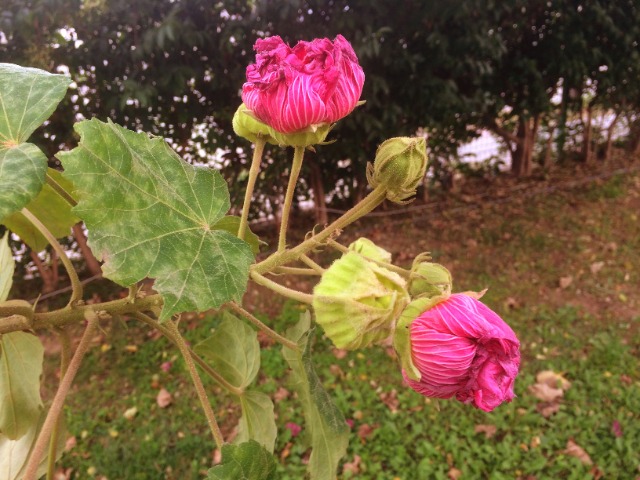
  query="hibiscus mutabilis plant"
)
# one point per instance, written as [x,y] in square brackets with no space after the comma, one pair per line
[151,215]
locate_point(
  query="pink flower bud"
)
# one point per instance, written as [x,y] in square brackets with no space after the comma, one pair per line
[291,89]
[463,348]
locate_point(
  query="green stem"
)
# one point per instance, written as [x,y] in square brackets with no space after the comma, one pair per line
[281,289]
[268,331]
[308,261]
[197,383]
[76,292]
[298,155]
[65,355]
[206,367]
[389,266]
[296,271]
[67,315]
[60,190]
[60,397]
[253,175]
[371,201]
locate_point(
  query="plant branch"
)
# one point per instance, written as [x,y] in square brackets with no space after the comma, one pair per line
[204,365]
[65,355]
[298,155]
[60,396]
[268,331]
[67,315]
[76,292]
[371,201]
[309,262]
[253,175]
[295,271]
[281,289]
[197,383]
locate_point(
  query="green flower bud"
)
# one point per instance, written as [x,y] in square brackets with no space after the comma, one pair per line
[367,248]
[400,166]
[312,135]
[246,125]
[357,302]
[428,279]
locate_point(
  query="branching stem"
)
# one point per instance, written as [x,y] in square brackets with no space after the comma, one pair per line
[254,170]
[268,331]
[281,289]
[298,155]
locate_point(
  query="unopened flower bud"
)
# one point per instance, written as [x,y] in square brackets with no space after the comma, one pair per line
[368,249]
[311,135]
[246,125]
[428,279]
[357,302]
[400,166]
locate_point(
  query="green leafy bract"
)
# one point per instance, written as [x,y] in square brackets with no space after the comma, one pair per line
[247,461]
[257,421]
[27,98]
[51,208]
[232,224]
[150,214]
[233,351]
[21,356]
[327,427]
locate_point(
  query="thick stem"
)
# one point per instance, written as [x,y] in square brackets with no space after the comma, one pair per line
[67,315]
[269,332]
[310,263]
[296,271]
[254,170]
[60,396]
[76,292]
[65,356]
[298,155]
[371,201]
[281,289]
[197,383]
[206,367]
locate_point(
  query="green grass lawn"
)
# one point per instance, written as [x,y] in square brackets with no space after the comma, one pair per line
[562,269]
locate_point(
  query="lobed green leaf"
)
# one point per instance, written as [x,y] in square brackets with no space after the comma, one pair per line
[247,461]
[233,351]
[21,356]
[150,214]
[327,427]
[258,421]
[28,97]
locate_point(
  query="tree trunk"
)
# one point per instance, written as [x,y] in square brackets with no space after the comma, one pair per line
[609,146]
[522,154]
[634,137]
[318,194]
[49,280]
[546,160]
[587,148]
[93,265]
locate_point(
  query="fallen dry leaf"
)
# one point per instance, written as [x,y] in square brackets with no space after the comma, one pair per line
[575,450]
[365,430]
[70,443]
[544,392]
[454,473]
[488,430]
[553,379]
[596,267]
[564,282]
[548,409]
[129,413]
[339,353]
[352,467]
[281,394]
[390,399]
[164,398]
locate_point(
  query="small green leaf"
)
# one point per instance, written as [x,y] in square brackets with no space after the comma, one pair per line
[150,214]
[21,356]
[27,98]
[258,421]
[327,427]
[247,461]
[53,210]
[15,453]
[7,266]
[233,351]
[231,224]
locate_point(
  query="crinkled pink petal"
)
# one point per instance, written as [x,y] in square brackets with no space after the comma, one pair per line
[315,82]
[463,348]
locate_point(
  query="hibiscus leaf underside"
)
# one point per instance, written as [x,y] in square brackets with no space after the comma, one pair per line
[152,215]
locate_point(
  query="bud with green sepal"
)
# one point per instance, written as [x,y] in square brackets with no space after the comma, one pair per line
[246,125]
[428,279]
[368,249]
[312,135]
[357,302]
[400,166]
